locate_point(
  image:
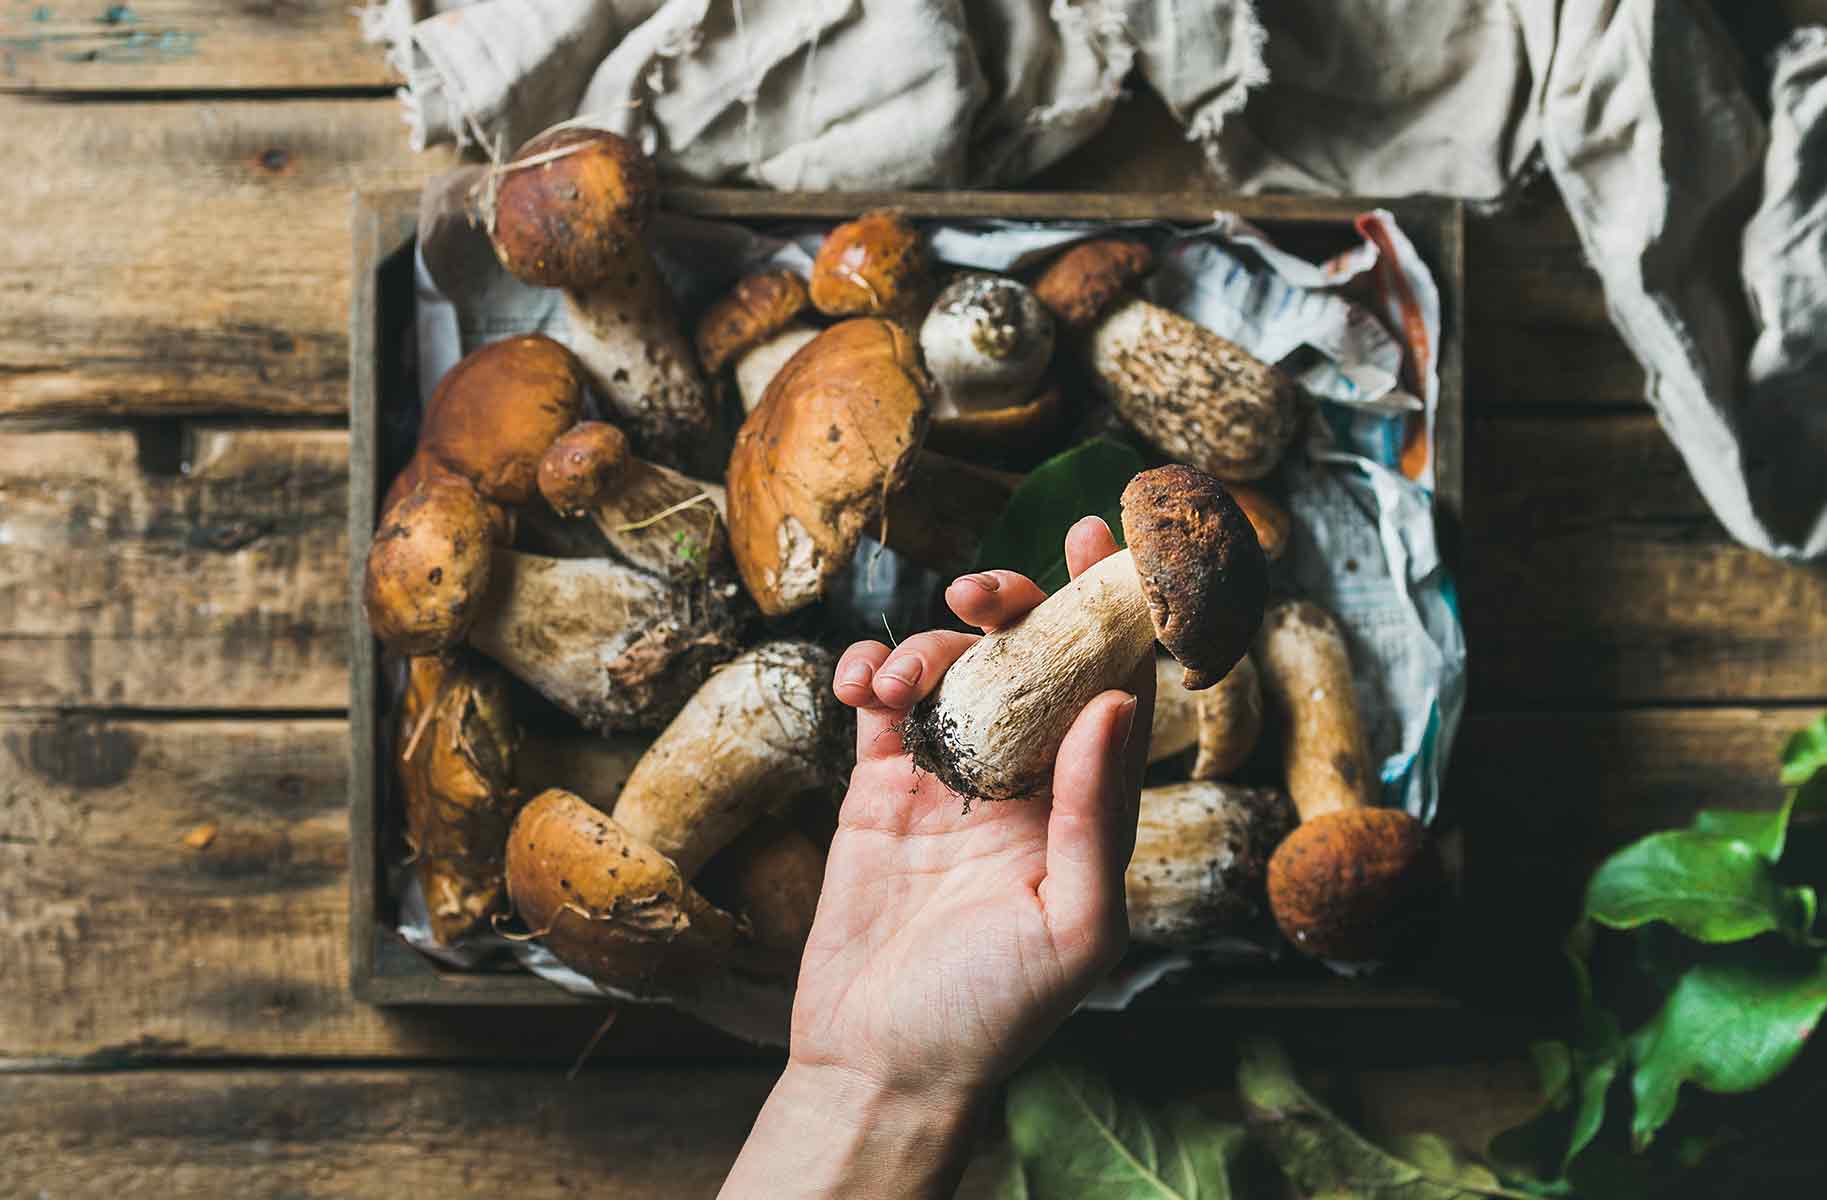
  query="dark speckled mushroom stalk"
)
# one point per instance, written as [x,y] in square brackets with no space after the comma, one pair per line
[1193,577]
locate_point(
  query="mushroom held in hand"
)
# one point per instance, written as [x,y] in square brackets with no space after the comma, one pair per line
[1223,721]
[833,446]
[1193,576]
[1201,860]
[652,516]
[570,212]
[874,266]
[1348,883]
[1197,397]
[457,742]
[758,327]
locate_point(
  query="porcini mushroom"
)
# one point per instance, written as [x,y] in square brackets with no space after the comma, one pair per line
[1222,721]
[494,413]
[456,748]
[986,342]
[1193,576]
[757,327]
[652,516]
[1347,883]
[831,454]
[570,212]
[614,908]
[1273,524]
[594,768]
[775,876]
[875,265]
[1201,860]
[1197,397]
[764,728]
[427,573]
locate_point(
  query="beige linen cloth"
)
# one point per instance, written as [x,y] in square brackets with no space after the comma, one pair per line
[1707,223]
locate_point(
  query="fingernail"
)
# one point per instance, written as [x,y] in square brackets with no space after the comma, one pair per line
[905,671]
[984,580]
[1127,715]
[854,675]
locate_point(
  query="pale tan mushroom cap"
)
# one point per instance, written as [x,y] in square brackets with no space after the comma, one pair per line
[835,434]
[759,307]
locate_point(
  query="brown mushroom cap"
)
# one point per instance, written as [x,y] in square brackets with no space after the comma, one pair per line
[567,222]
[1271,521]
[606,903]
[428,567]
[421,467]
[1352,884]
[497,410]
[835,433]
[1202,571]
[759,307]
[580,465]
[872,266]
[1021,433]
[1081,282]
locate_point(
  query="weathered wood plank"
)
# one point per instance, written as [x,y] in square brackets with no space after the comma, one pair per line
[184,257]
[222,586]
[613,1133]
[1594,574]
[168,45]
[238,948]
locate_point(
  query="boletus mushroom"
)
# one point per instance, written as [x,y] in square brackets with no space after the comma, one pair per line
[1222,722]
[1352,880]
[1197,397]
[428,566]
[832,454]
[873,266]
[1273,523]
[757,328]
[570,211]
[456,749]
[1193,577]
[1201,861]
[492,415]
[987,342]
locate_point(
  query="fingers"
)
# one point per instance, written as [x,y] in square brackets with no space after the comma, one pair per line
[1088,541]
[991,599]
[1091,831]
[882,684]
[912,671]
[854,684]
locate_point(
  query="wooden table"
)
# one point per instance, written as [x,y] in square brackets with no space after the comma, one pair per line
[174,1015]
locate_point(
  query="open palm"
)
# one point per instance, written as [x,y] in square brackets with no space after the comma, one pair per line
[948,944]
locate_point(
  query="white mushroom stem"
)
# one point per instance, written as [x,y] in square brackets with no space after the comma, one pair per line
[1222,721]
[609,644]
[755,735]
[995,723]
[663,521]
[757,366]
[1198,398]
[640,362]
[1201,860]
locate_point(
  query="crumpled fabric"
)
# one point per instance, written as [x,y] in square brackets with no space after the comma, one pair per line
[1705,222]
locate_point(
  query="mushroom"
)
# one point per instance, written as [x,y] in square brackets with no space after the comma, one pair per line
[1197,397]
[772,875]
[456,748]
[758,327]
[764,728]
[1201,860]
[616,647]
[1223,721]
[495,412]
[652,516]
[875,266]
[1347,883]
[594,768]
[1271,521]
[1193,576]
[614,908]
[831,454]
[569,212]
[986,342]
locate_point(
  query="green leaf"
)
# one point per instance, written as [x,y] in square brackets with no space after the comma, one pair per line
[1711,888]
[1727,1027]
[1805,754]
[1030,536]
[1012,1182]
[1765,832]
[1321,1155]
[1076,1138]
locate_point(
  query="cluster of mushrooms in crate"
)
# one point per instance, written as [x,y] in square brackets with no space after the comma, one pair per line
[659,575]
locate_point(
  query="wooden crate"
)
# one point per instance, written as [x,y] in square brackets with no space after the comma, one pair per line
[383,970]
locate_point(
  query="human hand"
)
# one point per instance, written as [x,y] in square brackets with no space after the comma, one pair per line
[947,945]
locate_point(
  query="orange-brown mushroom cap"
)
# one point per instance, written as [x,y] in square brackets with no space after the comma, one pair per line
[495,413]
[1353,884]
[581,465]
[570,205]
[756,309]
[1202,571]
[1273,523]
[872,266]
[418,469]
[428,567]
[835,433]
[1026,432]
[1078,284]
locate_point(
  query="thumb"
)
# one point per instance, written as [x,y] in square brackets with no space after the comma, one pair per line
[1091,831]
